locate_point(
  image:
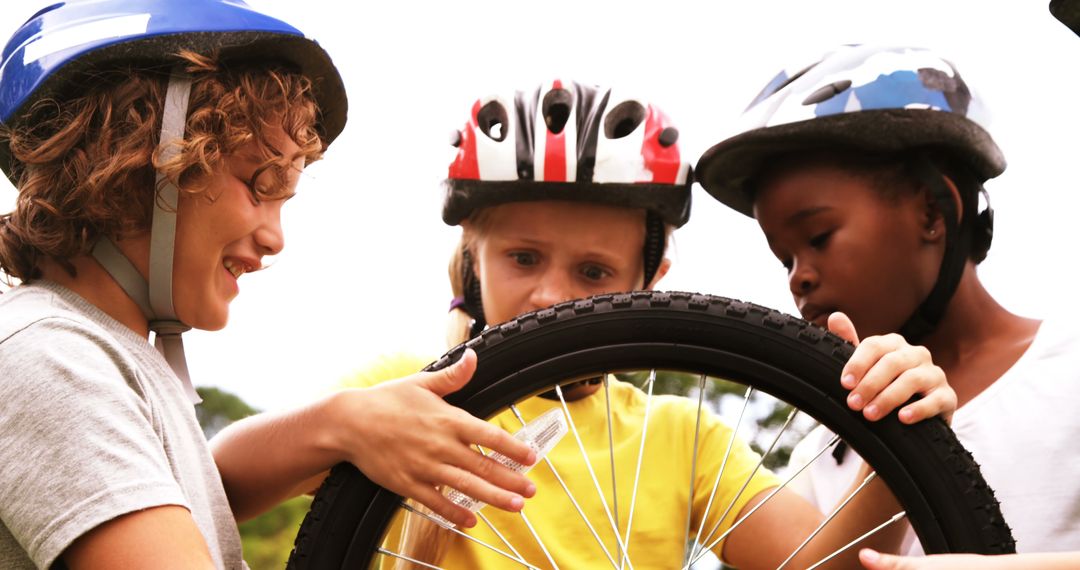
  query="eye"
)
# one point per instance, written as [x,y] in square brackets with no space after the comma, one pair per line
[268,182]
[260,194]
[524,258]
[594,272]
[253,191]
[820,240]
[257,187]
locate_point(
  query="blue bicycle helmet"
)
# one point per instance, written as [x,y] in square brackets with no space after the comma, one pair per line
[877,99]
[60,47]
[52,52]
[884,99]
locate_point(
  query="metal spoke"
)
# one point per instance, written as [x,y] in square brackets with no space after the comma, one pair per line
[570,495]
[538,541]
[407,559]
[870,533]
[528,525]
[499,534]
[637,470]
[462,534]
[703,541]
[611,455]
[828,519]
[588,466]
[694,553]
[693,461]
[746,483]
[773,493]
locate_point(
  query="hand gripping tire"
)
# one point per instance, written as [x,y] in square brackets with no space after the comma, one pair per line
[935,479]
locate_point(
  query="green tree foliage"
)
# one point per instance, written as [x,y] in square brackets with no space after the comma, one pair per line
[219,409]
[267,539]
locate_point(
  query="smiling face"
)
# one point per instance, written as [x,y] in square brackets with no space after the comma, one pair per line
[846,246]
[224,231]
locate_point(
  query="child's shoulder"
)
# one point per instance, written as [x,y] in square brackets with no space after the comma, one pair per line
[44,321]
[1056,345]
[1050,365]
[28,305]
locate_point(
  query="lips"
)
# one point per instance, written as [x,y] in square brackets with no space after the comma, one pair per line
[238,266]
[817,314]
[235,268]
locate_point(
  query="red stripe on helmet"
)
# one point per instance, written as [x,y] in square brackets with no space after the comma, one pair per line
[663,161]
[467,164]
[555,152]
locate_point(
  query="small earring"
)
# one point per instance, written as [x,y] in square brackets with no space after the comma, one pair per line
[933,231]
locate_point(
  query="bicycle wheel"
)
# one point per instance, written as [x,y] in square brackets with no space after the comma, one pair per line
[933,477]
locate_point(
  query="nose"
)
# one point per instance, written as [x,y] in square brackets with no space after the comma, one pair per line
[803,279]
[269,236]
[553,286]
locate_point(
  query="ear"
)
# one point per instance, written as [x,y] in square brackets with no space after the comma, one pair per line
[933,220]
[665,265]
[954,193]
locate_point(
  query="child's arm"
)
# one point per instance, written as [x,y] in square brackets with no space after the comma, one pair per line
[163,537]
[401,434]
[872,560]
[776,529]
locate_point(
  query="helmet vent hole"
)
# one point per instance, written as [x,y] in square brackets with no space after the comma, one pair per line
[827,92]
[623,119]
[493,120]
[556,108]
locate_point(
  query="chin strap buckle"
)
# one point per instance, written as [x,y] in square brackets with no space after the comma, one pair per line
[169,342]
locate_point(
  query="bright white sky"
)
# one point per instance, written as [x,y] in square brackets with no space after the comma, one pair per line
[364,273]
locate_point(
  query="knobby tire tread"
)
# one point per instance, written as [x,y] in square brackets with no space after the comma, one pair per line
[801,360]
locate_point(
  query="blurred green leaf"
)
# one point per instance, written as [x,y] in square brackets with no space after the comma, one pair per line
[267,539]
[219,409]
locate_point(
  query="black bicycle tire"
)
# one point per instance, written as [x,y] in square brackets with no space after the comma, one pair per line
[933,476]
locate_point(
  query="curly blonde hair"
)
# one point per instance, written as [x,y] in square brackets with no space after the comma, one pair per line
[84,165]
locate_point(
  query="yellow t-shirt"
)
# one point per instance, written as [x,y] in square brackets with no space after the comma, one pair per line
[659,522]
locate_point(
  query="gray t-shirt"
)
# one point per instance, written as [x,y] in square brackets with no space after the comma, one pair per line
[93,425]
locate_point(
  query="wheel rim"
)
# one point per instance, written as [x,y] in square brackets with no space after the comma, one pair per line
[571,350]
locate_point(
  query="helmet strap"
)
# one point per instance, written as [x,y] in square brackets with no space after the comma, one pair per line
[120,268]
[474,305]
[156,298]
[655,242]
[984,228]
[957,246]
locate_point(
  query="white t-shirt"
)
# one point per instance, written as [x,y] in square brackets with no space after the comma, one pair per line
[1023,432]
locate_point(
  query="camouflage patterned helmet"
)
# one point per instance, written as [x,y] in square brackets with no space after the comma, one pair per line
[881,99]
